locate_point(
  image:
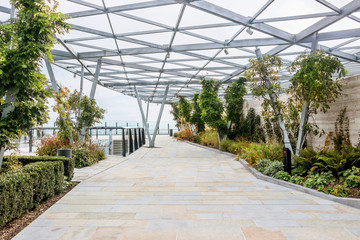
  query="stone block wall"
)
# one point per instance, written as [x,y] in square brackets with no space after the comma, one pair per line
[349,98]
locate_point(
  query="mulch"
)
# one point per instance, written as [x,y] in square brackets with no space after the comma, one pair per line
[15,226]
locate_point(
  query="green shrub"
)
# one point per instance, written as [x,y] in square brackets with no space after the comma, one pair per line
[226,145]
[282,176]
[69,163]
[86,154]
[297,179]
[338,190]
[209,138]
[351,177]
[197,138]
[329,160]
[23,189]
[268,167]
[319,180]
[257,151]
[239,146]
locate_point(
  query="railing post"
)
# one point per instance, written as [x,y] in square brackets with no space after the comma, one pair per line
[131,149]
[143,136]
[140,140]
[136,146]
[110,142]
[123,143]
[116,128]
[97,133]
[168,129]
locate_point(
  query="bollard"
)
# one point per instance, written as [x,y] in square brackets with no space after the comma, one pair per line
[287,160]
[171,132]
[136,145]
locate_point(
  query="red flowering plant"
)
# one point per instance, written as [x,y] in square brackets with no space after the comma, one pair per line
[50,144]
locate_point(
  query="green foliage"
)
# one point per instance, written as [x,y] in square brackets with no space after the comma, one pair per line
[234,104]
[319,180]
[265,83]
[24,42]
[351,177]
[342,131]
[23,189]
[313,86]
[338,190]
[226,145]
[256,151]
[269,167]
[184,110]
[10,163]
[49,145]
[84,110]
[195,118]
[282,176]
[209,138]
[211,105]
[86,154]
[68,163]
[176,114]
[297,179]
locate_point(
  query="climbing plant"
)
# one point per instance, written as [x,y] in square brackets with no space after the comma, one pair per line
[234,103]
[24,41]
[184,110]
[195,118]
[211,106]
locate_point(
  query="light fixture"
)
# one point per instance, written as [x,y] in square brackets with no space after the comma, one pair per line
[226,51]
[249,31]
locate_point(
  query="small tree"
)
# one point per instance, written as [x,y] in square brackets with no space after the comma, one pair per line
[24,42]
[234,104]
[184,110]
[264,77]
[211,105]
[196,115]
[313,88]
[75,113]
[176,114]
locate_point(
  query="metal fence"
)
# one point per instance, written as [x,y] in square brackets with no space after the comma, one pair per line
[114,139]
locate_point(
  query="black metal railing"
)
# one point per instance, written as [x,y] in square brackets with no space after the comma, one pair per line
[131,138]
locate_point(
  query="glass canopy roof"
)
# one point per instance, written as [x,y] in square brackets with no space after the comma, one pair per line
[149,45]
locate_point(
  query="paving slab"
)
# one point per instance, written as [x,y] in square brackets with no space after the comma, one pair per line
[182,191]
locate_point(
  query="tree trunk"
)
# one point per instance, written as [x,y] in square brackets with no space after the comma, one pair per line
[303,120]
[9,98]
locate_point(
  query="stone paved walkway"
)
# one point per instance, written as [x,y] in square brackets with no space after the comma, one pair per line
[180,191]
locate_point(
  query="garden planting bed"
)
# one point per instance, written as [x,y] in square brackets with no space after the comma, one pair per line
[15,226]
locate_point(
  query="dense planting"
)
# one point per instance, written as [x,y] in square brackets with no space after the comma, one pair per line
[23,189]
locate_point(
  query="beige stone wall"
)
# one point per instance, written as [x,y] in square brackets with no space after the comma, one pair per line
[349,98]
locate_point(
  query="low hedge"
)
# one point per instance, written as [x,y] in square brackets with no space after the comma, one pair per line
[69,163]
[23,189]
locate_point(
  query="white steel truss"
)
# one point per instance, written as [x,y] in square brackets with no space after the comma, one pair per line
[190,52]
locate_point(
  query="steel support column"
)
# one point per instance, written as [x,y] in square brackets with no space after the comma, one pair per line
[96,78]
[152,141]
[52,76]
[142,115]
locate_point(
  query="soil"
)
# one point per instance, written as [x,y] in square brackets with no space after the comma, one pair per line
[15,226]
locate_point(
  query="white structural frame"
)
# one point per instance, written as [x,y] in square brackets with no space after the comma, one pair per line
[156,77]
